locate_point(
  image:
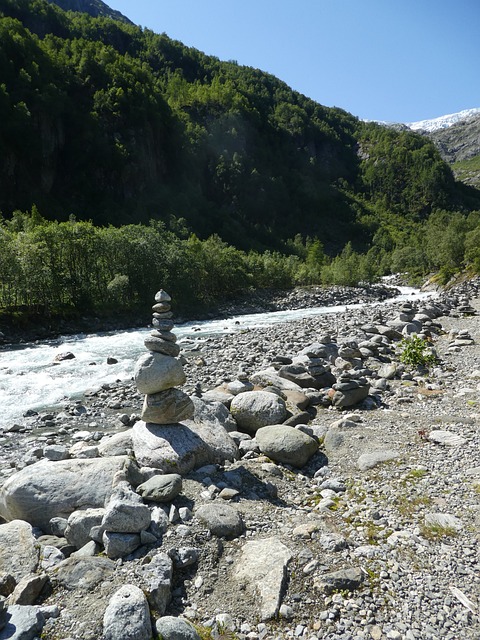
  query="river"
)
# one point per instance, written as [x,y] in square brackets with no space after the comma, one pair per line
[29,378]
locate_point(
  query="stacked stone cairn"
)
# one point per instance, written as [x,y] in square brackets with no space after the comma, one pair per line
[158,372]
[465,308]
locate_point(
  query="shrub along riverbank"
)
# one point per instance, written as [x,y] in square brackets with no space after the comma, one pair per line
[67,270]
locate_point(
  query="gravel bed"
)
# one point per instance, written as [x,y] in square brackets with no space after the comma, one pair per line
[410,524]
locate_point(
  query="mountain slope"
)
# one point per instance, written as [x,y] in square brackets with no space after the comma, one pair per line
[109,122]
[443,122]
[458,141]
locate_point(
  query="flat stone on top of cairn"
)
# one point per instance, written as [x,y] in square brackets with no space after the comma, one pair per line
[162,296]
[158,372]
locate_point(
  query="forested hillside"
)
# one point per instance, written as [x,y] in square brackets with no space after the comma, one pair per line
[105,122]
[116,124]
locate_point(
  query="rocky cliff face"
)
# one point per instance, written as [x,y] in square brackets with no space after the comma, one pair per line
[94,8]
[459,142]
[459,145]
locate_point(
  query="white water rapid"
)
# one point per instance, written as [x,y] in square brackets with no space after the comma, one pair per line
[29,379]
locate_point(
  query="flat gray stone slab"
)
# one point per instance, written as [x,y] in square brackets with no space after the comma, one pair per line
[447,438]
[19,552]
[369,460]
[262,568]
[23,623]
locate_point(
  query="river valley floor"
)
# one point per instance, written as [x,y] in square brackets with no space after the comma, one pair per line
[390,503]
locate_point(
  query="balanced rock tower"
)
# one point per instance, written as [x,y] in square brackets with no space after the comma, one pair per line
[158,372]
[176,433]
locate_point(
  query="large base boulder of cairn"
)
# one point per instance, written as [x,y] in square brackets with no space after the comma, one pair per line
[174,435]
[181,447]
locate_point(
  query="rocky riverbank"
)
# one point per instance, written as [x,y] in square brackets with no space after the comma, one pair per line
[365,527]
[20,329]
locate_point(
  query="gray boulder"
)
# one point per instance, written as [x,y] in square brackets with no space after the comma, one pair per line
[155,372]
[165,335]
[238,386]
[159,345]
[347,397]
[327,350]
[156,577]
[171,628]
[162,488]
[222,520]
[119,545]
[56,452]
[59,543]
[79,525]
[84,573]
[28,589]
[333,440]
[117,445]
[56,489]
[270,376]
[126,513]
[372,459]
[159,523]
[343,580]
[286,444]
[307,378]
[255,409]
[296,400]
[214,413]
[127,615]
[389,332]
[23,623]
[184,556]
[388,370]
[218,395]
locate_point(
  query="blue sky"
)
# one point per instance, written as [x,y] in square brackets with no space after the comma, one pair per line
[394,60]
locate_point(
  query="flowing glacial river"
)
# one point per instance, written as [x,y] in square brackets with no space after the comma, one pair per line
[29,378]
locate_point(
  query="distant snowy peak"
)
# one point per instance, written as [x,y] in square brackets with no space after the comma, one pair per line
[443,122]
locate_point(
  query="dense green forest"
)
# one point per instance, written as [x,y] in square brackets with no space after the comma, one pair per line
[128,160]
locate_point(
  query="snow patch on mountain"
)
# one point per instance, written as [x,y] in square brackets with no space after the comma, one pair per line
[443,122]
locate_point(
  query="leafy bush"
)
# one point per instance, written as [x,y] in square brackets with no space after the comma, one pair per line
[416,351]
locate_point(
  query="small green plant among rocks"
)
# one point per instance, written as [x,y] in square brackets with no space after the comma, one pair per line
[218,632]
[416,474]
[415,352]
[436,531]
